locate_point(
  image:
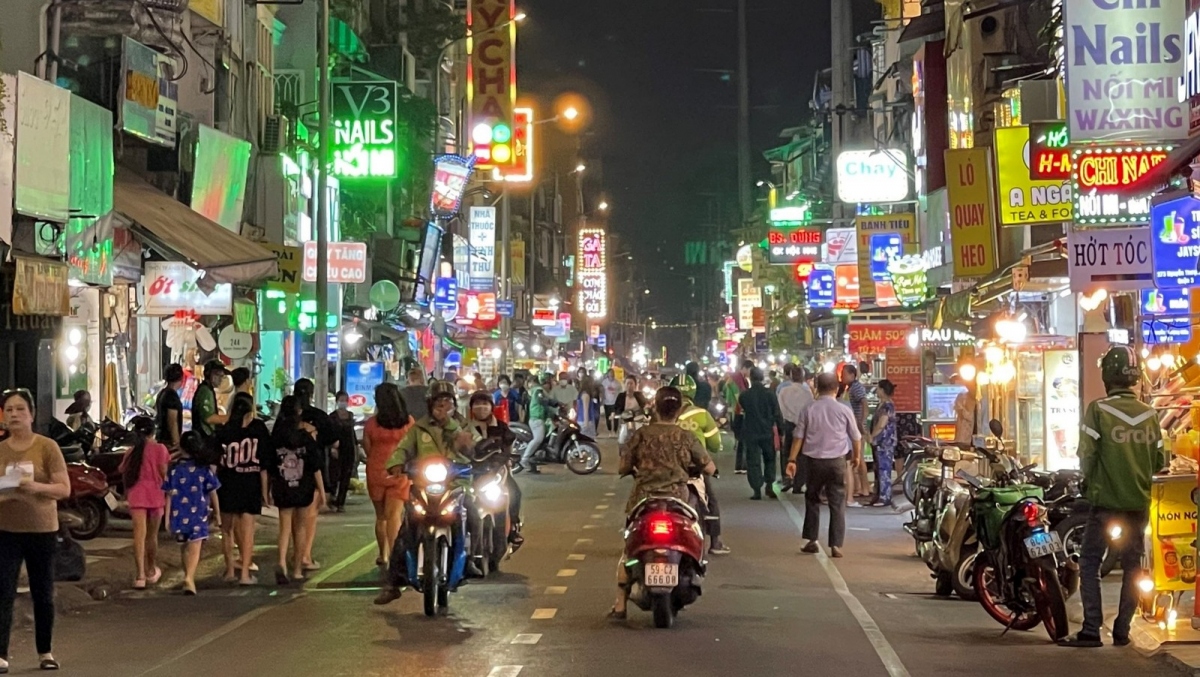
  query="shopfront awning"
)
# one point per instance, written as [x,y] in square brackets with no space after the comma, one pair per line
[181,234]
[924,26]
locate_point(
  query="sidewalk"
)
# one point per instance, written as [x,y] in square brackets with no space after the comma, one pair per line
[1179,648]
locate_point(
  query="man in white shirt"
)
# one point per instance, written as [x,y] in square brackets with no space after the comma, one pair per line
[794,398]
[826,432]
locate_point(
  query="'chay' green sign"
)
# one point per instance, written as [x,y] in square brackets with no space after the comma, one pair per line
[364,129]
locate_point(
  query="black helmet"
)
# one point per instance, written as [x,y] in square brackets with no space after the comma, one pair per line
[480,396]
[439,389]
[1119,367]
[214,365]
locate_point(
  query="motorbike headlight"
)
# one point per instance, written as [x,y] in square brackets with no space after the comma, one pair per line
[436,489]
[571,414]
[492,492]
[720,407]
[436,473]
[1114,532]
[418,508]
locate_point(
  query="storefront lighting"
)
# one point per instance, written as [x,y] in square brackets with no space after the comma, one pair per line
[519,345]
[71,353]
[1168,360]
[993,354]
[771,359]
[967,372]
[762,365]
[75,336]
[1093,301]
[827,367]
[983,378]
[1154,363]
[1064,293]
[352,337]
[1011,331]
[496,353]
[793,313]
[536,348]
[1004,373]
[914,340]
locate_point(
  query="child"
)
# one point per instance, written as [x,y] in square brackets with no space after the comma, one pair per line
[193,488]
[143,470]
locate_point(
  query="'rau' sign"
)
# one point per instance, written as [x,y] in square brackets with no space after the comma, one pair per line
[1124,59]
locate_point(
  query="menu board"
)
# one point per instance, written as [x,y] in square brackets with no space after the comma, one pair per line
[939,401]
[903,368]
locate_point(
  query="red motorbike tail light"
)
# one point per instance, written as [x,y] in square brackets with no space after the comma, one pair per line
[661,526]
[1032,512]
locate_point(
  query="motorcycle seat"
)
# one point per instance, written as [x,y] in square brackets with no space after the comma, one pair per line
[667,503]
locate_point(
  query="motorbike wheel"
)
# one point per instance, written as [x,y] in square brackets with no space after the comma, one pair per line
[583,458]
[429,586]
[990,592]
[94,514]
[1051,601]
[963,579]
[443,587]
[1070,530]
[664,611]
[910,482]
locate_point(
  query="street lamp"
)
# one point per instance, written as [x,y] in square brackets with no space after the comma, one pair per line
[570,113]
[603,206]
[580,168]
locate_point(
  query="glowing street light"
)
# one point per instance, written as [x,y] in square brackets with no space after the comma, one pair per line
[603,206]
[580,168]
[570,113]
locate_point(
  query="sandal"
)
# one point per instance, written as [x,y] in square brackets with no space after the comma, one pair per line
[139,584]
[281,578]
[617,615]
[311,566]
[47,663]
[153,580]
[189,589]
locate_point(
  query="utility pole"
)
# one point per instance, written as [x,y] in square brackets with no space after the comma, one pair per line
[841,24]
[505,283]
[745,197]
[321,340]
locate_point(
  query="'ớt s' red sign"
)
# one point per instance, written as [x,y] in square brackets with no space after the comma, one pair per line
[874,338]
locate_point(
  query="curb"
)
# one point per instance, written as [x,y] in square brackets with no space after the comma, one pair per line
[1149,647]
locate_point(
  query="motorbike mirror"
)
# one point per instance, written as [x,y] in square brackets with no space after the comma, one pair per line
[969,479]
[996,427]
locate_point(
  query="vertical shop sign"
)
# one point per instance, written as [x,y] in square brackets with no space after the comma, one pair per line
[219,182]
[972,213]
[1024,201]
[492,81]
[1061,390]
[749,298]
[147,97]
[88,238]
[8,120]
[482,240]
[43,134]
[1123,64]
[903,368]
[593,273]
[1175,241]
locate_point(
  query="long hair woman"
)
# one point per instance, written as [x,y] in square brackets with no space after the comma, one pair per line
[244,442]
[294,471]
[144,469]
[388,494]
[29,522]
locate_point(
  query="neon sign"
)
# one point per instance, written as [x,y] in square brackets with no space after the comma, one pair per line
[592,275]
[793,245]
[1049,155]
[1100,174]
[364,130]
[492,81]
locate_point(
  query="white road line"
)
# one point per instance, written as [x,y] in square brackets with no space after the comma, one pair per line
[576,558]
[597,516]
[583,541]
[602,506]
[887,654]
[566,573]
[591,526]
[610,494]
[527,638]
[556,590]
[324,574]
[211,637]
[543,614]
[506,671]
[857,529]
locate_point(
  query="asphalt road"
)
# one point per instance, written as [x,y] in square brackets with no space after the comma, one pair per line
[766,610]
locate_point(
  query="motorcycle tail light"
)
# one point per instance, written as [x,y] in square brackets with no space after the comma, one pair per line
[661,526]
[1032,512]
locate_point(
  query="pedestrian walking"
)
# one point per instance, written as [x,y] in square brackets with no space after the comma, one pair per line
[345,452]
[244,443]
[563,390]
[414,394]
[735,385]
[192,487]
[855,394]
[883,443]
[29,522]
[761,419]
[296,485]
[794,398]
[506,403]
[1120,449]
[587,407]
[168,408]
[612,388]
[826,433]
[205,414]
[388,493]
[143,471]
[327,436]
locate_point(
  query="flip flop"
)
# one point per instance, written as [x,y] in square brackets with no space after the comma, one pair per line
[189,590]
[153,580]
[139,584]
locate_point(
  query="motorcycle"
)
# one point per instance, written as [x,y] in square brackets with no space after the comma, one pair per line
[952,545]
[89,503]
[491,472]
[1022,574]
[1069,515]
[916,451]
[437,563]
[564,443]
[664,557]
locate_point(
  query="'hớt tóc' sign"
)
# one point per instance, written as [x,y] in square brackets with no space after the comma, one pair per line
[1112,258]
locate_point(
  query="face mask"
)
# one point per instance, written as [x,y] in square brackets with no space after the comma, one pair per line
[343,405]
[504,387]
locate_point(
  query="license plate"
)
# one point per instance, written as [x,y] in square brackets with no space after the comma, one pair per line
[662,575]
[1043,543]
[111,500]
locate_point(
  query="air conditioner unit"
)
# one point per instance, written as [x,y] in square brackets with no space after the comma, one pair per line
[276,134]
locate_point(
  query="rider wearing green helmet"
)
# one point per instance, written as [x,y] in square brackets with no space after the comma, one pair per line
[700,423]
[1120,449]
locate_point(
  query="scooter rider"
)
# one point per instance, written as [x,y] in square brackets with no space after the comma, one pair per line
[436,434]
[541,408]
[484,425]
[700,423]
[1120,449]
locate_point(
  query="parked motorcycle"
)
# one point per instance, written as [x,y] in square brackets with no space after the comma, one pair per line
[89,503]
[664,557]
[565,443]
[437,563]
[916,451]
[1022,574]
[952,546]
[1069,512]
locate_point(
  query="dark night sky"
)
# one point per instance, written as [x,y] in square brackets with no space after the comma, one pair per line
[663,127]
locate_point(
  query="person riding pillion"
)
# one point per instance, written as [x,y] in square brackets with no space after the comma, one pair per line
[699,422]
[435,435]
[1120,449]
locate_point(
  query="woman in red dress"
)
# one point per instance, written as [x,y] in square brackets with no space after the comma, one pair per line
[381,436]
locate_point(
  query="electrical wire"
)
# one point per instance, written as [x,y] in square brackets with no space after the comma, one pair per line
[167,38]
